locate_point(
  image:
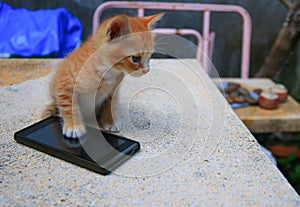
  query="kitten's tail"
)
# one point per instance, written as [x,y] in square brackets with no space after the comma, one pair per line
[50,110]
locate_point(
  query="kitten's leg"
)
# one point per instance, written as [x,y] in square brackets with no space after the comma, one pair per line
[50,110]
[106,117]
[70,112]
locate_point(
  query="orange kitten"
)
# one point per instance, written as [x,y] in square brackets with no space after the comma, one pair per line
[102,73]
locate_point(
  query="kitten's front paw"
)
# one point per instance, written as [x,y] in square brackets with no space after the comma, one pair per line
[74,132]
[111,128]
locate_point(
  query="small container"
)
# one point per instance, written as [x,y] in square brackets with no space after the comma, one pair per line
[281,91]
[268,100]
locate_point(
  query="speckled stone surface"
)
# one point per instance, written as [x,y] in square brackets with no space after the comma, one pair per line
[14,71]
[195,151]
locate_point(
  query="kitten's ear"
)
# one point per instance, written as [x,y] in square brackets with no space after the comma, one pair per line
[118,27]
[153,19]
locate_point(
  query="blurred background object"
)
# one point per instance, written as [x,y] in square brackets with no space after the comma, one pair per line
[267,19]
[39,33]
[285,42]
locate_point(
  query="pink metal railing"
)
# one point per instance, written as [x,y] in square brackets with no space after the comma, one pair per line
[206,8]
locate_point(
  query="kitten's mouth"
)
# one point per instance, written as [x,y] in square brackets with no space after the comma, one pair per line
[139,73]
[146,70]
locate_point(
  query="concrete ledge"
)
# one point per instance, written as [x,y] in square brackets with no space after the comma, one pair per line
[213,162]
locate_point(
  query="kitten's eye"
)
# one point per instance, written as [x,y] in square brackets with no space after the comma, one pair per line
[136,59]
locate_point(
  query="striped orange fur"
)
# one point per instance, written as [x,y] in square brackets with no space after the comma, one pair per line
[100,71]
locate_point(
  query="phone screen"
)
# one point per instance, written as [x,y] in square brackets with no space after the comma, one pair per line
[98,152]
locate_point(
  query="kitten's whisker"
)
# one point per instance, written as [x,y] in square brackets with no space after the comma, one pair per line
[161,44]
[163,36]
[161,50]
[162,39]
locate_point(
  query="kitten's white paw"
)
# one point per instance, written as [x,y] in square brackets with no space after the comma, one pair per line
[111,128]
[74,132]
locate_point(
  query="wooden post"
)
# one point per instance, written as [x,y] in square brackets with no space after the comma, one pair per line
[285,41]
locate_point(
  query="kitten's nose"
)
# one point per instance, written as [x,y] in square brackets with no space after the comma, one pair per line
[146,70]
[146,67]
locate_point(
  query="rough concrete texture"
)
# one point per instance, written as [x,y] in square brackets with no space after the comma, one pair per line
[195,151]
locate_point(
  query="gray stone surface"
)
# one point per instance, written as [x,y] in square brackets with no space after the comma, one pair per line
[195,151]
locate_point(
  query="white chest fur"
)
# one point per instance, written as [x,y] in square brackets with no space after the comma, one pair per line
[107,85]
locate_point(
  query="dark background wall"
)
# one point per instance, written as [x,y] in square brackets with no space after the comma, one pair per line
[267,19]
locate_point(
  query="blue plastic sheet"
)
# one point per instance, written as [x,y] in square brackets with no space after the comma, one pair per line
[38,33]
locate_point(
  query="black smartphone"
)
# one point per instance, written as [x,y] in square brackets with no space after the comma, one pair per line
[99,151]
